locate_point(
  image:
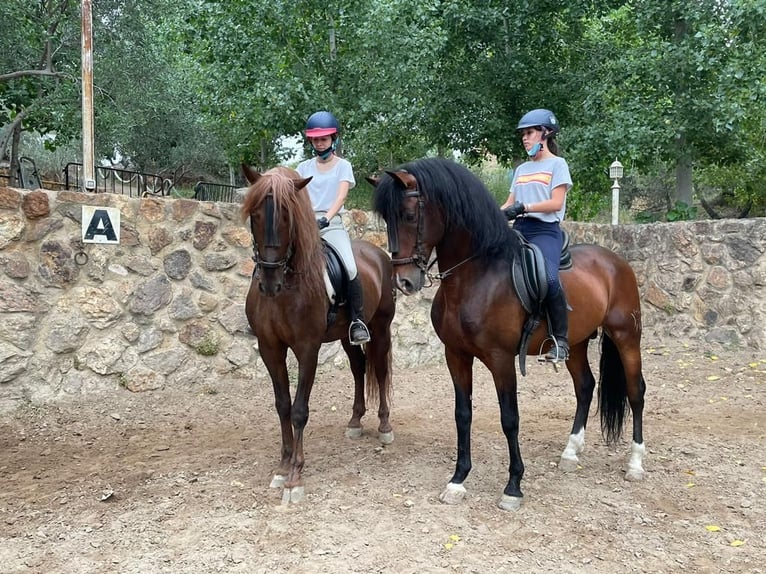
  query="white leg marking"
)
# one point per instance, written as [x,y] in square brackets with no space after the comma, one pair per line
[292,495]
[277,481]
[575,445]
[386,437]
[635,470]
[509,502]
[452,494]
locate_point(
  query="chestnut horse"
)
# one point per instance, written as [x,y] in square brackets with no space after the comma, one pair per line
[436,205]
[288,307]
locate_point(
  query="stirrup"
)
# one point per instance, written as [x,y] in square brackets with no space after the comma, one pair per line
[358,333]
[557,353]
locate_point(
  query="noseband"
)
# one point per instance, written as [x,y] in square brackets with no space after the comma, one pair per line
[279,264]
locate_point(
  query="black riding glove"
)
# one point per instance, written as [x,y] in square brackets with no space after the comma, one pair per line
[515,210]
[322,223]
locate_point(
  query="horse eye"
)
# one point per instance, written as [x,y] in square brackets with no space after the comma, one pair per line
[410,217]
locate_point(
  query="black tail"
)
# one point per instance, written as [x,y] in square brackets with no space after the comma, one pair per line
[613,391]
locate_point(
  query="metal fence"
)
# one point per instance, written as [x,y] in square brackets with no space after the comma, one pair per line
[123,182]
[26,175]
[120,181]
[209,191]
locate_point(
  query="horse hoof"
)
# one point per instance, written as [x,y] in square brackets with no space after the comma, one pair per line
[509,502]
[453,494]
[292,495]
[277,481]
[354,432]
[386,437]
[569,464]
[634,475]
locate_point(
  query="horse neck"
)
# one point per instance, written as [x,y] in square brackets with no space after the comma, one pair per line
[310,273]
[455,247]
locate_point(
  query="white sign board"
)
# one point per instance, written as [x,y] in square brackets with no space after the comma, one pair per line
[100,225]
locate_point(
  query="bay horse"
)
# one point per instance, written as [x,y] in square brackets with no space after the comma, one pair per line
[288,307]
[436,205]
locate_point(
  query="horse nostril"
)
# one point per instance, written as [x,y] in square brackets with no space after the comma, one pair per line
[404,285]
[260,288]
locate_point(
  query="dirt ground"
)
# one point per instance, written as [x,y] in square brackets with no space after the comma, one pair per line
[177,480]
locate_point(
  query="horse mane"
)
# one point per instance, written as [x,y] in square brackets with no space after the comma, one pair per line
[462,198]
[308,260]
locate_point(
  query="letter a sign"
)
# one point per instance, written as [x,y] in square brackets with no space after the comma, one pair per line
[100,225]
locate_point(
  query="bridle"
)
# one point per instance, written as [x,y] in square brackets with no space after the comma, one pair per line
[272,240]
[419,258]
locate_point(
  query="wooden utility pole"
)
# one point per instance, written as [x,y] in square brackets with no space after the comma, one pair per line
[88,154]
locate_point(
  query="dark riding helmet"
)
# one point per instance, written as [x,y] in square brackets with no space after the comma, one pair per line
[539,118]
[321,124]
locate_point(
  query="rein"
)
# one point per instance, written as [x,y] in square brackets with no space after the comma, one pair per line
[418,258]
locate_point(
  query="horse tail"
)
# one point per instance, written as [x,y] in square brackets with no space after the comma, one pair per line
[613,391]
[373,385]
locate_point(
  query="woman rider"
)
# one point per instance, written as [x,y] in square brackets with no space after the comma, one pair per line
[537,204]
[332,177]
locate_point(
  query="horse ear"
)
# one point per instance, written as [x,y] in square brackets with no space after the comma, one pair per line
[251,175]
[373,180]
[301,183]
[406,179]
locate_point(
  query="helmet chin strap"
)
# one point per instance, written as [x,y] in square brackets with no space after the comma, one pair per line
[325,153]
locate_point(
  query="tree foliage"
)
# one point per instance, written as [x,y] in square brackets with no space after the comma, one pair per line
[668,87]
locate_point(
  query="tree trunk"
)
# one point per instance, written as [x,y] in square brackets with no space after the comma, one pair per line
[684,162]
[684,187]
[15,168]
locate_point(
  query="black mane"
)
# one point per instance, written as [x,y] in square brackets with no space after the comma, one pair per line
[462,197]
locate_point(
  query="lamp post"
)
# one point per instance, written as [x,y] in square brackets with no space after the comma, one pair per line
[615,173]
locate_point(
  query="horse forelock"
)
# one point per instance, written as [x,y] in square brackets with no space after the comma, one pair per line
[387,199]
[466,204]
[302,233]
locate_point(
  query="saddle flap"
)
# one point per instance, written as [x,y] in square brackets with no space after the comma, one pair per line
[336,278]
[529,277]
[566,255]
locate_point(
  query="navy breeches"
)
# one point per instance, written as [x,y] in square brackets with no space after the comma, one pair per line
[547,236]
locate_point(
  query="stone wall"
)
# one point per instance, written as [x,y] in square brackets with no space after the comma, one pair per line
[166,305]
[701,280]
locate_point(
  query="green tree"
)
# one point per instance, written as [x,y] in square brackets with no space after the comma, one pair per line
[38,73]
[674,84]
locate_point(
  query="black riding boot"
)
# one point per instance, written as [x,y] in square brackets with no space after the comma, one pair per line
[358,333]
[557,310]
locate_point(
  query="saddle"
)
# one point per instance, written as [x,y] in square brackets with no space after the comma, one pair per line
[336,281]
[531,285]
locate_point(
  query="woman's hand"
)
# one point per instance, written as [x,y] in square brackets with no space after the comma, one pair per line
[515,210]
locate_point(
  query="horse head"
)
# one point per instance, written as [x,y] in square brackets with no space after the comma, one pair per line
[282,225]
[413,224]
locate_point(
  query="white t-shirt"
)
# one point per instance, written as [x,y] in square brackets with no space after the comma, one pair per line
[323,188]
[534,181]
